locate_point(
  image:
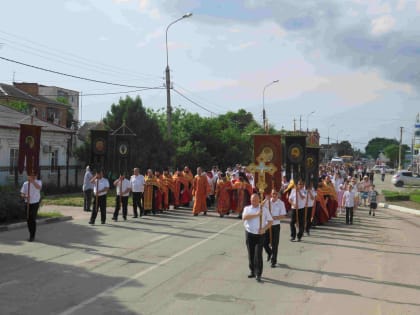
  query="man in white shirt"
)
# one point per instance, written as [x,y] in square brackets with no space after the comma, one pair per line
[31,192]
[87,189]
[137,187]
[257,220]
[297,199]
[272,236]
[123,186]
[100,189]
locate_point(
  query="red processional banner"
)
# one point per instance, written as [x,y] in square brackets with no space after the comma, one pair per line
[29,146]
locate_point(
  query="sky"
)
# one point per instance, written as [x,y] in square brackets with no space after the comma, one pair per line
[349,68]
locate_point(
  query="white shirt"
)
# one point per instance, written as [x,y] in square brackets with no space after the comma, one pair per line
[253,225]
[34,193]
[86,181]
[102,183]
[126,185]
[301,201]
[277,208]
[137,183]
[348,198]
[310,202]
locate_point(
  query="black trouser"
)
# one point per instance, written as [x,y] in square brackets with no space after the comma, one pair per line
[349,215]
[87,199]
[138,202]
[254,244]
[301,222]
[101,206]
[308,219]
[275,238]
[31,218]
[118,202]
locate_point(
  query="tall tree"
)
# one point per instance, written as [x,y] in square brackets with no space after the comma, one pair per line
[377,145]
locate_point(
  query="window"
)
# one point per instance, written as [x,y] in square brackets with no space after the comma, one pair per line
[54,161]
[14,153]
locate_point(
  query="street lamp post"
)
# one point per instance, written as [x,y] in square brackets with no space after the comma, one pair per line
[265,124]
[307,120]
[168,79]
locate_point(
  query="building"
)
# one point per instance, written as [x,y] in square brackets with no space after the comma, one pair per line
[42,101]
[57,163]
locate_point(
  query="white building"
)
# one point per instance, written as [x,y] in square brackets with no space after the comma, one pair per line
[58,165]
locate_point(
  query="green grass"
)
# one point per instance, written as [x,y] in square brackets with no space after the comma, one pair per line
[46,215]
[75,200]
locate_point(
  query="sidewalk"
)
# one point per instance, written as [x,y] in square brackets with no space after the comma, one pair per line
[398,208]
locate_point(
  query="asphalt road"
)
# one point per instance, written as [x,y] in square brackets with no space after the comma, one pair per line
[175,263]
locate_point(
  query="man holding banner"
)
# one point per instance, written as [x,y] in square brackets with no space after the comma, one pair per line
[31,192]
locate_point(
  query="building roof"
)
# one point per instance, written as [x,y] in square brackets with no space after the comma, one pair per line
[12,91]
[11,118]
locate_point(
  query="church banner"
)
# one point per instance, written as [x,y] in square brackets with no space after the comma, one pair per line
[29,147]
[295,157]
[266,166]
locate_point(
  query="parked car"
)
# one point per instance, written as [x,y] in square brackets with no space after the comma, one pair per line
[405,177]
[388,170]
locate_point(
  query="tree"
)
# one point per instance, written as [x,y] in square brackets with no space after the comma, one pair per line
[149,146]
[377,145]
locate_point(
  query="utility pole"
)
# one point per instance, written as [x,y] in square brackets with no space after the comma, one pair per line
[399,151]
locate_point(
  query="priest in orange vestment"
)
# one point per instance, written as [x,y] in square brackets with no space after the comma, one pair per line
[200,190]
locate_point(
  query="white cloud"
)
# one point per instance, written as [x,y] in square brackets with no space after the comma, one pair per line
[361,87]
[241,46]
[149,37]
[76,6]
[382,25]
[401,5]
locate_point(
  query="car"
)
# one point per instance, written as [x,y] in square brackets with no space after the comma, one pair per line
[388,170]
[337,160]
[405,177]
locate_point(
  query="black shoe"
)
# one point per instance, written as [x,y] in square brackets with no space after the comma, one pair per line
[374,214]
[195,214]
[102,222]
[370,212]
[251,275]
[221,215]
[240,216]
[308,233]
[31,239]
[91,222]
[135,216]
[205,213]
[258,278]
[273,265]
[299,239]
[269,256]
[114,219]
[292,239]
[125,218]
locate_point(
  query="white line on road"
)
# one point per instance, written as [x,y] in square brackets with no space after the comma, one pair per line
[71,310]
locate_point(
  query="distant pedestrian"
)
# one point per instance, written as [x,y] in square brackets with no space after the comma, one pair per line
[87,189]
[31,192]
[383,173]
[349,201]
[373,204]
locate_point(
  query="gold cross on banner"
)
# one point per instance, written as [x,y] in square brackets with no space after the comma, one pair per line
[262,168]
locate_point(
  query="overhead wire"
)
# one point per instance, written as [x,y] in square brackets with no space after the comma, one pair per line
[194,102]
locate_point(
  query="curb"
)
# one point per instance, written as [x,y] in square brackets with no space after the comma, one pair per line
[20,225]
[398,208]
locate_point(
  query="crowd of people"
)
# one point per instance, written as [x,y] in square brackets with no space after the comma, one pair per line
[340,190]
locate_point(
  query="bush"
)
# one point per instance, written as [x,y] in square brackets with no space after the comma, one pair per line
[12,207]
[395,196]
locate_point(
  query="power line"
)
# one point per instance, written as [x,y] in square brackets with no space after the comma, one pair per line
[72,76]
[195,103]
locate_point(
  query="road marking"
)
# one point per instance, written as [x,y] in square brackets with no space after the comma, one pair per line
[73,309]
